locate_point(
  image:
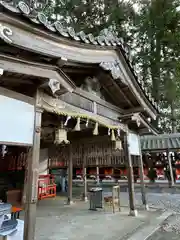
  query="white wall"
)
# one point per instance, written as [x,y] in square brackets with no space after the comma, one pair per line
[16,121]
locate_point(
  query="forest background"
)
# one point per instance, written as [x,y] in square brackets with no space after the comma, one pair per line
[151,28]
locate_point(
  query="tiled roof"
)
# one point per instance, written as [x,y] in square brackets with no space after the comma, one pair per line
[106,38]
[160,142]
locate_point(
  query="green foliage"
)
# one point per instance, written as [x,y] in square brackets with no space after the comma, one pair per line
[158,28]
[153,32]
[93,16]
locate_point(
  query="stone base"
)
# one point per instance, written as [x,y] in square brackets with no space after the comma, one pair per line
[85,199]
[133,213]
[69,202]
[146,207]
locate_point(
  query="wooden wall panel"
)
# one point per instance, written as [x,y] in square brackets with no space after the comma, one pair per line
[97,153]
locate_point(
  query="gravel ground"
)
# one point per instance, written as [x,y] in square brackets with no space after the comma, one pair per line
[164,199]
[170,229]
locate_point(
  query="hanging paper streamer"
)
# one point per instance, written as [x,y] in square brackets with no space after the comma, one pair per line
[109,131]
[118,132]
[67,119]
[113,138]
[87,122]
[95,132]
[77,127]
[4,150]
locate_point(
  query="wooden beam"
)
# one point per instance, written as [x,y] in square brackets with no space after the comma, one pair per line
[15,80]
[18,96]
[134,110]
[51,104]
[98,100]
[71,70]
[35,69]
[70,176]
[76,64]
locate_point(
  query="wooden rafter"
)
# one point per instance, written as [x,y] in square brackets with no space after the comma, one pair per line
[109,79]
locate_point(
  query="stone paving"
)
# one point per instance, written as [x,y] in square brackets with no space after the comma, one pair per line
[56,221]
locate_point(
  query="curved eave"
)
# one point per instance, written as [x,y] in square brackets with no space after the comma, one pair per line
[148,127]
[140,123]
[49,44]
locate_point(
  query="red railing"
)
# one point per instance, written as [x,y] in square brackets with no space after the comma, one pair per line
[46,187]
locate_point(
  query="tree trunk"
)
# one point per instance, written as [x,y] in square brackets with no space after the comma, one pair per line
[173,117]
[155,71]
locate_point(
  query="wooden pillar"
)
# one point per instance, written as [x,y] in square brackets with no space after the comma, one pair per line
[141,171]
[97,175]
[170,168]
[133,211]
[112,174]
[32,179]
[97,171]
[70,176]
[85,198]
